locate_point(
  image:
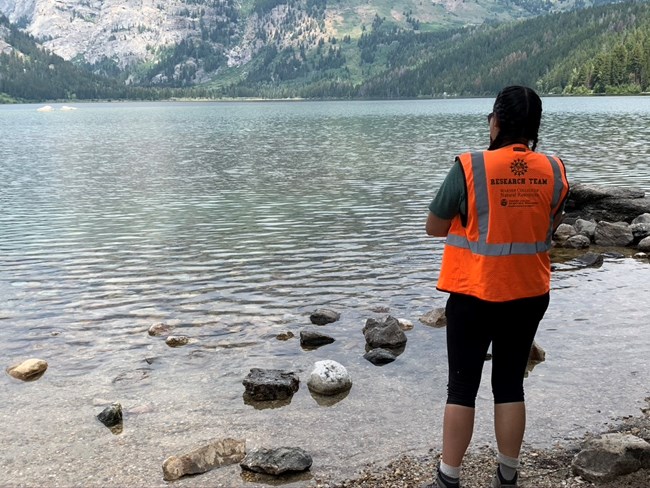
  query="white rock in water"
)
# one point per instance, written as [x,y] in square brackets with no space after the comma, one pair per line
[329,378]
[29,370]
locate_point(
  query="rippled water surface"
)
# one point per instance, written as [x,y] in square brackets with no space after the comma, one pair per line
[232,222]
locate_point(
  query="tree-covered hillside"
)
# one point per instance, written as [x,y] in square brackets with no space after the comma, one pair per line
[604,49]
[595,50]
[30,73]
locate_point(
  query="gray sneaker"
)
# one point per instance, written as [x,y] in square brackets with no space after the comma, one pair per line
[443,481]
[500,482]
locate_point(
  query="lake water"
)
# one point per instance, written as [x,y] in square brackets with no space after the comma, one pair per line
[232,222]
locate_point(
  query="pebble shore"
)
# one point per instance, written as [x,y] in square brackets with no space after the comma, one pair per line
[540,468]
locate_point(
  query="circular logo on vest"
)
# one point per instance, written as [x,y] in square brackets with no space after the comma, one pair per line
[519,167]
[504,202]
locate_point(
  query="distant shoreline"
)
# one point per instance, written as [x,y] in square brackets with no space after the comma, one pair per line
[10,101]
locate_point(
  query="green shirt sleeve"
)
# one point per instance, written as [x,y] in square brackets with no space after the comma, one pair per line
[450,200]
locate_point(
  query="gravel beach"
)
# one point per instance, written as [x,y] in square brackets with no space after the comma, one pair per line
[540,468]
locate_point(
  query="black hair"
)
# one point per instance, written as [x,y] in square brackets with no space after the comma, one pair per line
[518,110]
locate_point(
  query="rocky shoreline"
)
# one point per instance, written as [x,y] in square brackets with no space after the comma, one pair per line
[540,468]
[618,219]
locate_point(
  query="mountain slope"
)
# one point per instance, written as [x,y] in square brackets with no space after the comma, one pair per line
[591,50]
[602,49]
[112,35]
[29,73]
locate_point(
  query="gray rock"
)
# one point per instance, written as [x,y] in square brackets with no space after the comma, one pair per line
[613,234]
[29,370]
[329,378]
[111,415]
[577,242]
[642,219]
[270,384]
[380,356]
[324,316]
[585,228]
[277,461]
[640,230]
[312,338]
[214,455]
[385,333]
[586,193]
[588,260]
[610,456]
[610,204]
[564,231]
[435,318]
[644,245]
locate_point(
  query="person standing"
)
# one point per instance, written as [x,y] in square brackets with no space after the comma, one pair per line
[498,210]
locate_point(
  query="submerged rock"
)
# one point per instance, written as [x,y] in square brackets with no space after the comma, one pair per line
[29,370]
[111,415]
[277,461]
[284,336]
[160,329]
[380,356]
[177,341]
[312,338]
[214,455]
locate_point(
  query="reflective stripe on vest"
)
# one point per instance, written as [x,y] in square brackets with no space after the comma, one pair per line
[482,204]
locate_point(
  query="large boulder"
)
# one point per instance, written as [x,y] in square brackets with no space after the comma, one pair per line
[613,234]
[610,456]
[611,204]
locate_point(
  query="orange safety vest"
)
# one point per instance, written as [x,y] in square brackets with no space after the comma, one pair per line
[502,252]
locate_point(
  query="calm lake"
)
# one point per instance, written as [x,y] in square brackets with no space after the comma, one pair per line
[233,222]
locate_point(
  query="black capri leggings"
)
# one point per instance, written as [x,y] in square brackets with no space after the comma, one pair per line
[472,324]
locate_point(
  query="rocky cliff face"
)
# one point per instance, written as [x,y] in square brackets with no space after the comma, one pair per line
[127,31]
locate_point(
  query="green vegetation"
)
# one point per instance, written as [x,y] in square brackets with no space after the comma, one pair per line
[597,50]
[30,74]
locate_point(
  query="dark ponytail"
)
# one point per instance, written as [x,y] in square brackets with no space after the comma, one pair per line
[518,110]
